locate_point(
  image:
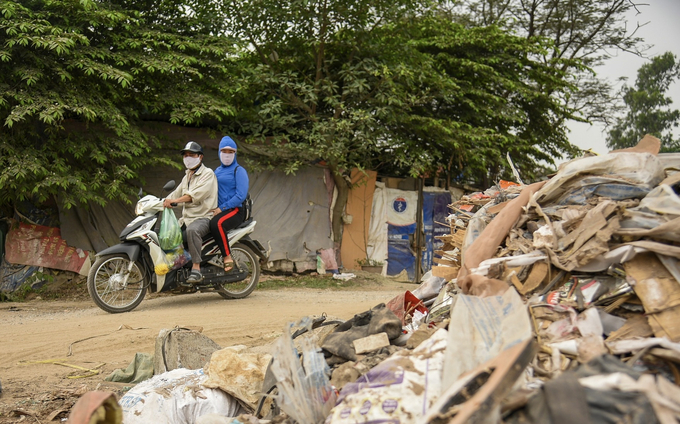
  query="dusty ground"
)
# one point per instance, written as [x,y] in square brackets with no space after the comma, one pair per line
[80,334]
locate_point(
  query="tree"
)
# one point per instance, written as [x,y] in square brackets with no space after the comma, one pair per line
[586,32]
[648,108]
[497,100]
[77,80]
[391,86]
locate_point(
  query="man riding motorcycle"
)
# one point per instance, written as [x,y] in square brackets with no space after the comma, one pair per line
[198,194]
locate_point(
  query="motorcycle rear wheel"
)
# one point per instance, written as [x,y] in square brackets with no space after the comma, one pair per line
[108,288]
[247,261]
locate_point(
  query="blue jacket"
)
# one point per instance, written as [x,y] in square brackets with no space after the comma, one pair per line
[232,181]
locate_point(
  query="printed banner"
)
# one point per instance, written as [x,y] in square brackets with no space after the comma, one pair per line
[37,245]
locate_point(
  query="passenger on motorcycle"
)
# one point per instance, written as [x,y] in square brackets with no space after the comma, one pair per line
[198,194]
[232,182]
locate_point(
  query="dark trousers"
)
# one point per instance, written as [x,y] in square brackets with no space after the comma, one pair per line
[220,225]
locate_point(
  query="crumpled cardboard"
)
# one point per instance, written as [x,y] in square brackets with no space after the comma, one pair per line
[659,292]
[238,372]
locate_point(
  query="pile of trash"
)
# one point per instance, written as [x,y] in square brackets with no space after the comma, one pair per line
[555,302]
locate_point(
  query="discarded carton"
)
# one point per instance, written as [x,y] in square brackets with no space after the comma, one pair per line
[659,292]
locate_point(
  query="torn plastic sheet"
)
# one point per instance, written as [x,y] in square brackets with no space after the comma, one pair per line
[305,393]
[642,169]
[611,188]
[628,251]
[639,224]
[430,286]
[664,396]
[671,264]
[661,200]
[484,327]
[632,345]
[510,261]
[618,255]
[476,225]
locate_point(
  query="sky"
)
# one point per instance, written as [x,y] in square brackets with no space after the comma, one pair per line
[662,31]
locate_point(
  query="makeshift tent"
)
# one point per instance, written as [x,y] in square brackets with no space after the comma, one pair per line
[292,214]
[358,213]
[392,229]
[401,207]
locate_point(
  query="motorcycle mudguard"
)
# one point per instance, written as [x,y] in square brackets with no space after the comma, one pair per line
[132,250]
[255,246]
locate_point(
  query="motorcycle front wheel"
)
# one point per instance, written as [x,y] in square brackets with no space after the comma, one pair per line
[247,262]
[116,284]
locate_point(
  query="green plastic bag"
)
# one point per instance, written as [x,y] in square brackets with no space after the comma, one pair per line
[170,236]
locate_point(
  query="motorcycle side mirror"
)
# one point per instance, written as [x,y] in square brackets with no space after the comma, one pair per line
[170,185]
[139,195]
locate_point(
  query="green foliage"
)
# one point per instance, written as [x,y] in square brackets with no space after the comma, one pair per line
[488,98]
[395,88]
[585,32]
[648,108]
[77,77]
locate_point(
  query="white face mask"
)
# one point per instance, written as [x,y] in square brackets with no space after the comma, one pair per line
[227,158]
[191,163]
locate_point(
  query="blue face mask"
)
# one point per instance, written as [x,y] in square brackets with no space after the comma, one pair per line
[227,158]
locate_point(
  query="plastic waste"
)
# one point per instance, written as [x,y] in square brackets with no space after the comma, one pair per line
[170,235]
[173,259]
[305,392]
[176,397]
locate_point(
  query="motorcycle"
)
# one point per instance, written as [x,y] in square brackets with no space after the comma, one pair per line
[121,274]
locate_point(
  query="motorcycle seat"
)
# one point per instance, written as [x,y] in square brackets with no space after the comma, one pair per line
[209,235]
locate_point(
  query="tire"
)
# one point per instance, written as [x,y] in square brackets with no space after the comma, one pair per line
[104,283]
[247,260]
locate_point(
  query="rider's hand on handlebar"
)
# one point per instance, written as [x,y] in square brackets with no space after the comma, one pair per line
[168,203]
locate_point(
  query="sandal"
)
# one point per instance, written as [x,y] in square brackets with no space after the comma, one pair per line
[228,265]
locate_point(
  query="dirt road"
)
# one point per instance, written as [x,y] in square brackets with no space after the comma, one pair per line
[41,331]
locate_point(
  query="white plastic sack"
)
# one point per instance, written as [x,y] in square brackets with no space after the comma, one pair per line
[481,328]
[399,390]
[176,397]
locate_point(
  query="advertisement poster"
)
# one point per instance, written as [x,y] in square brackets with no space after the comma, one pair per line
[37,245]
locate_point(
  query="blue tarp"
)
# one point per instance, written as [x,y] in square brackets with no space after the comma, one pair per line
[428,229]
[399,253]
[435,210]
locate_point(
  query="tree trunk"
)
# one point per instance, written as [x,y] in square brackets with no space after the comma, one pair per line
[343,194]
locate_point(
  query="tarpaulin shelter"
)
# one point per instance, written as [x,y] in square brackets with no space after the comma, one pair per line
[392,226]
